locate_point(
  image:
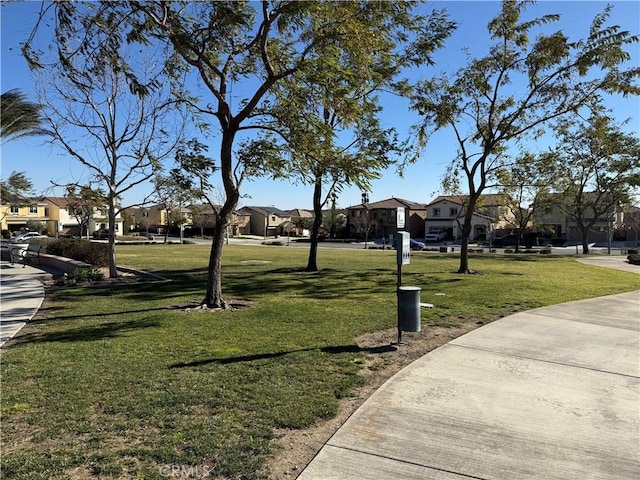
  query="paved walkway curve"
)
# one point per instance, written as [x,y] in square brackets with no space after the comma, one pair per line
[551,393]
[21,295]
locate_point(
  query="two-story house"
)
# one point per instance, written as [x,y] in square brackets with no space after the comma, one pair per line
[203,220]
[301,221]
[72,217]
[379,219]
[559,219]
[267,221]
[491,216]
[24,214]
[156,218]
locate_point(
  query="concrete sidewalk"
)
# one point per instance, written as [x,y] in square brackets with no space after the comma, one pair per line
[21,294]
[551,393]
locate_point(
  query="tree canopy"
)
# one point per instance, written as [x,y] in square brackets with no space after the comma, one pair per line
[530,76]
[103,99]
[596,170]
[241,51]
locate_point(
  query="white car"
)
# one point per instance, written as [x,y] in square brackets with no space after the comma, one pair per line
[435,236]
[26,236]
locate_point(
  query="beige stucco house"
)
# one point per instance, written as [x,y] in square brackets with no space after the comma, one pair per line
[66,217]
[491,217]
[267,221]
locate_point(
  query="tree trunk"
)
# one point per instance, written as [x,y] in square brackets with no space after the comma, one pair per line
[585,242]
[213,297]
[312,264]
[166,226]
[466,233]
[113,271]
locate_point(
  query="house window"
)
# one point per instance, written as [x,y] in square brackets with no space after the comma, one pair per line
[115,227]
[33,209]
[453,212]
[436,212]
[14,210]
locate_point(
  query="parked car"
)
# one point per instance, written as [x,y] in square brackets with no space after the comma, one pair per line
[416,244]
[435,236]
[26,236]
[506,241]
[413,244]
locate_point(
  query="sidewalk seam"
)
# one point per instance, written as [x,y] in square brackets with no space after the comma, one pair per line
[543,361]
[464,475]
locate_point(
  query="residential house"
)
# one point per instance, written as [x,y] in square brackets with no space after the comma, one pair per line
[155,218]
[558,221]
[301,221]
[67,217]
[267,221]
[22,215]
[198,219]
[491,217]
[379,219]
[203,220]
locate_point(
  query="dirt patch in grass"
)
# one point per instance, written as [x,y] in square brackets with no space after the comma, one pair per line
[296,448]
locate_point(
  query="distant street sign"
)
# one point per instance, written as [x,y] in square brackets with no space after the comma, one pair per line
[399,218]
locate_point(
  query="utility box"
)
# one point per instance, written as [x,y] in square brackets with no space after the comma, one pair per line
[409,309]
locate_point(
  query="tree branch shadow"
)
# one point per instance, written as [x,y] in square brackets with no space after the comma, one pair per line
[265,356]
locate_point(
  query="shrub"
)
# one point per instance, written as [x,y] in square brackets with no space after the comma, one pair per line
[96,254]
[6,234]
[634,259]
[81,275]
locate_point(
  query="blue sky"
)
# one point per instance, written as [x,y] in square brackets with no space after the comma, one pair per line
[421,181]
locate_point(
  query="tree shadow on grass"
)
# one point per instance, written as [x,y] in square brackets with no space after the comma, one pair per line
[265,356]
[85,333]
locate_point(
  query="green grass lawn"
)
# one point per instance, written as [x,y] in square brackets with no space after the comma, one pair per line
[121,382]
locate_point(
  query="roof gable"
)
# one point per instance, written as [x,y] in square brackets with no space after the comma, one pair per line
[391,203]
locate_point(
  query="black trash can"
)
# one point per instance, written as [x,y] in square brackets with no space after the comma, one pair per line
[409,309]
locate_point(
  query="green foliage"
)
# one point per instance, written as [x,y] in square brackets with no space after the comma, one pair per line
[634,259]
[18,116]
[256,48]
[517,88]
[15,188]
[93,253]
[83,201]
[596,169]
[36,226]
[81,276]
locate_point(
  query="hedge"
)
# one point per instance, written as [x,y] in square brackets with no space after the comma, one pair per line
[634,259]
[96,254]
